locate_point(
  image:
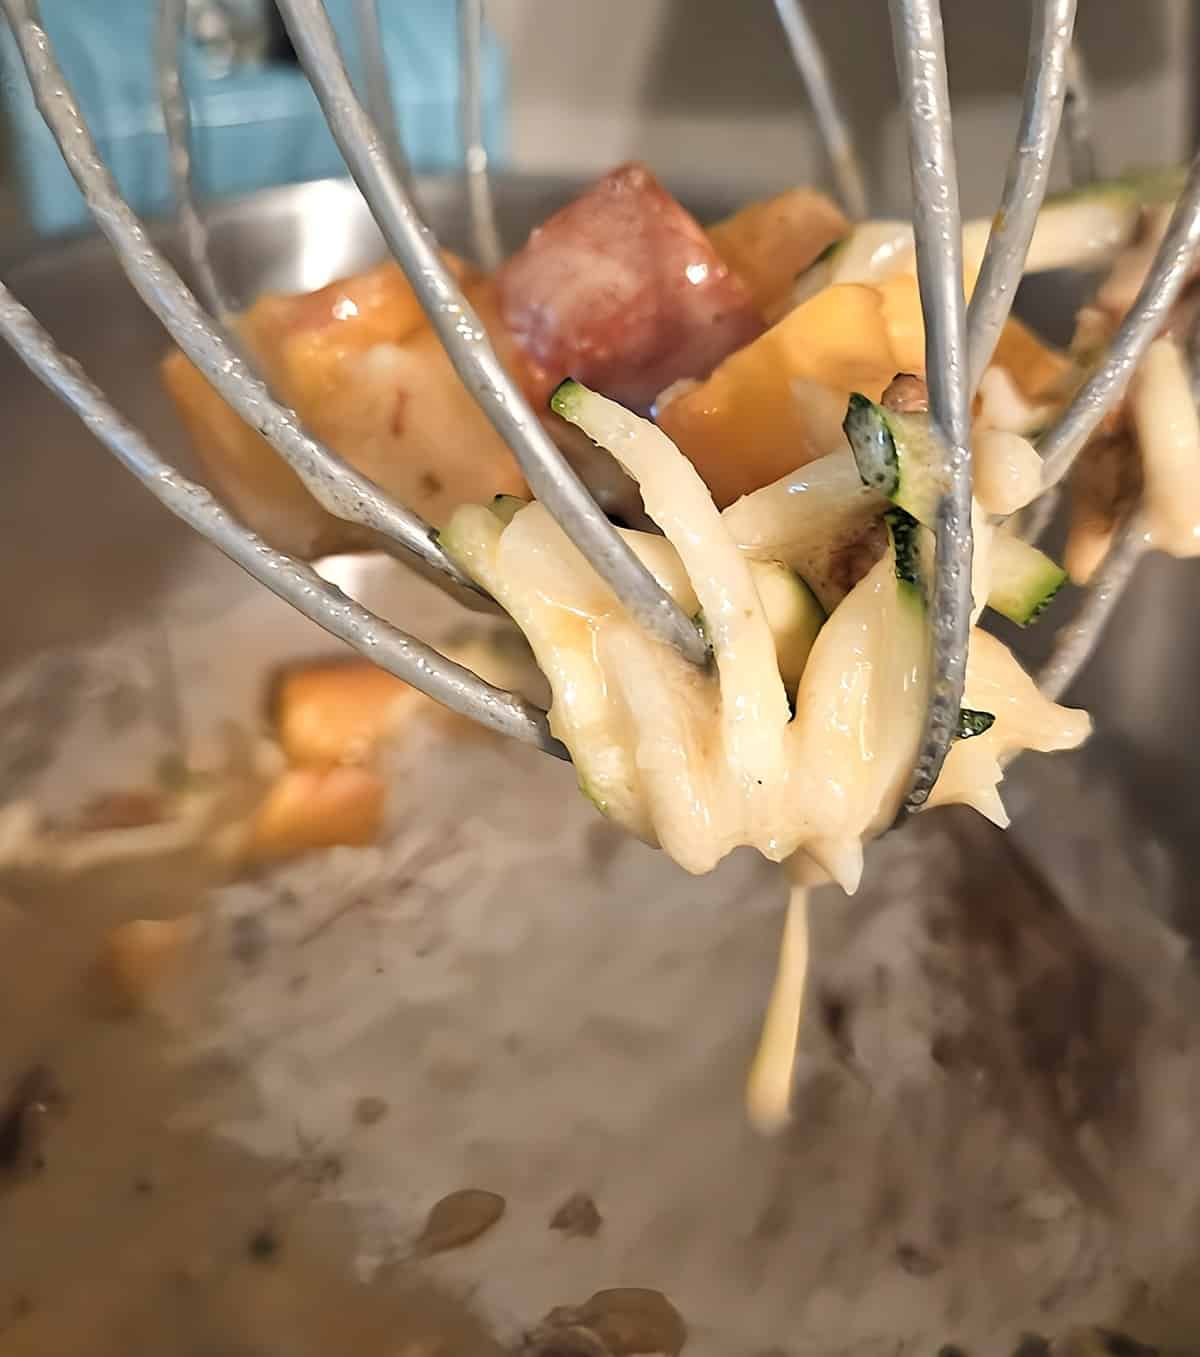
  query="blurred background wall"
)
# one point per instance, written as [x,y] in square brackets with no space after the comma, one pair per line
[705,90]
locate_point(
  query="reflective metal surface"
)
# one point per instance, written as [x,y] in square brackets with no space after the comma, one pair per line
[119,562]
[133,555]
[288,239]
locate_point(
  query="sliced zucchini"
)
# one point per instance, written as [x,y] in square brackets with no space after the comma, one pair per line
[793,614]
[972,723]
[551,608]
[678,500]
[1080,229]
[1084,228]
[654,551]
[568,398]
[819,274]
[807,520]
[662,560]
[792,611]
[873,251]
[826,255]
[506,507]
[908,540]
[896,455]
[1024,579]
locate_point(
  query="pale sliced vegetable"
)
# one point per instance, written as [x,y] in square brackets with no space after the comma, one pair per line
[702,761]
[693,790]
[543,582]
[507,507]
[1168,433]
[1024,719]
[793,615]
[984,531]
[1003,405]
[662,561]
[859,713]
[1082,229]
[808,520]
[896,455]
[1024,580]
[870,251]
[754,708]
[1007,471]
[792,611]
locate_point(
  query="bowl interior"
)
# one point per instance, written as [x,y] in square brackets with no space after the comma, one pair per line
[559,1019]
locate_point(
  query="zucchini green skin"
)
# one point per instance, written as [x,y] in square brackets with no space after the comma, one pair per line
[819,274]
[895,455]
[506,507]
[871,442]
[1122,197]
[972,723]
[826,254]
[800,627]
[793,612]
[905,534]
[1161,185]
[1024,580]
[564,399]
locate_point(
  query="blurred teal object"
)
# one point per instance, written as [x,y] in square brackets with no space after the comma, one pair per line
[255,120]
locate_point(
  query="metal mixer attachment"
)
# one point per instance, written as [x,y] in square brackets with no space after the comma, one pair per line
[960,339]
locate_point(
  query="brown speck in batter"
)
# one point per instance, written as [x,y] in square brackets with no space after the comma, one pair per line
[577,1216]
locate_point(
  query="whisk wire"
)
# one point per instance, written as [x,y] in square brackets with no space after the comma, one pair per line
[960,340]
[831,119]
[1076,642]
[172,15]
[293,581]
[1025,182]
[549,475]
[1164,282]
[937,225]
[481,208]
[377,82]
[1082,162]
[340,489]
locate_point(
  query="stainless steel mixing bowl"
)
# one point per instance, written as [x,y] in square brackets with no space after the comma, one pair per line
[299,238]
[640,1101]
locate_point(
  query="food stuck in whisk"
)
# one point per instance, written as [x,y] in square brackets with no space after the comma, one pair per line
[820,451]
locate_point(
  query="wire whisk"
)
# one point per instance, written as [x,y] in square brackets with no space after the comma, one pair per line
[960,339]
